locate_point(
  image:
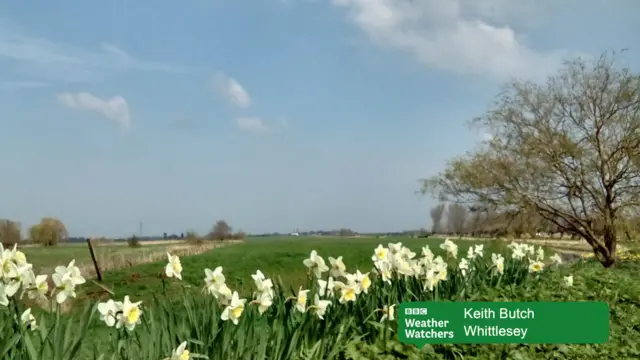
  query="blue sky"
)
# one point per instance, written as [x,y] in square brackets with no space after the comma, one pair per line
[271,114]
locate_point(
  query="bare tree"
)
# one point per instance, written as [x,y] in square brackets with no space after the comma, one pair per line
[50,231]
[456,218]
[437,212]
[10,232]
[568,150]
[221,231]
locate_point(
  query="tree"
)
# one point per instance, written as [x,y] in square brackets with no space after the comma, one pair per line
[50,231]
[221,231]
[437,212]
[568,150]
[10,232]
[456,218]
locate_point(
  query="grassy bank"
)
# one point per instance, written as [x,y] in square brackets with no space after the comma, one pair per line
[354,330]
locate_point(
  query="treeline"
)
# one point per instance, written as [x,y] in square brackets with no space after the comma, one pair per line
[477,221]
[51,231]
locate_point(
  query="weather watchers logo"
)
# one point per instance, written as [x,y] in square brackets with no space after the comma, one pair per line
[503,323]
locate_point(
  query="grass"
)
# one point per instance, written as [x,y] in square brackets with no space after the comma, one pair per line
[274,257]
[348,332]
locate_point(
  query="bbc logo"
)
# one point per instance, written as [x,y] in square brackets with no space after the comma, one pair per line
[415,311]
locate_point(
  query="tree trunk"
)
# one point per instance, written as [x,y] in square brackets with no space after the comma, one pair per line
[610,243]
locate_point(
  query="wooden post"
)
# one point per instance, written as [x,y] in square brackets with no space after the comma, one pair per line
[95,262]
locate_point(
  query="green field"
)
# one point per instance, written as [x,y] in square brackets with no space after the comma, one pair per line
[177,311]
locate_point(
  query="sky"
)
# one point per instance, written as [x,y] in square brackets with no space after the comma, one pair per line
[273,115]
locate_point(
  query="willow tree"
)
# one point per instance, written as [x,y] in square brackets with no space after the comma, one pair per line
[568,149]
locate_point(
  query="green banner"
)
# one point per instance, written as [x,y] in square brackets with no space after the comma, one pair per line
[582,322]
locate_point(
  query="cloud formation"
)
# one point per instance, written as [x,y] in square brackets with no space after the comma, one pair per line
[231,90]
[64,62]
[453,35]
[115,108]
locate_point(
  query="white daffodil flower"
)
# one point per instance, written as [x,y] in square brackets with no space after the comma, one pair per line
[65,287]
[498,262]
[363,280]
[380,253]
[301,300]
[181,353]
[316,264]
[388,313]
[463,266]
[556,259]
[568,280]
[235,309]
[319,306]
[131,314]
[173,267]
[27,319]
[337,267]
[536,266]
[110,312]
[450,247]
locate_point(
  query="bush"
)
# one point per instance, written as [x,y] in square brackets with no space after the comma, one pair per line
[192,238]
[134,242]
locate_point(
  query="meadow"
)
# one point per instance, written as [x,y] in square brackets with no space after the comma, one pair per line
[174,311]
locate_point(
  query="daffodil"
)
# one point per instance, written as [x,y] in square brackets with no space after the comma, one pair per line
[363,281]
[450,247]
[18,256]
[536,266]
[478,250]
[27,319]
[380,253]
[498,262]
[427,254]
[384,269]
[326,288]
[349,293]
[181,353]
[40,288]
[388,313]
[173,267]
[301,300]
[319,307]
[540,254]
[110,312]
[463,266]
[556,259]
[4,300]
[235,309]
[65,287]
[264,301]
[72,271]
[568,280]
[131,314]
[262,283]
[431,280]
[395,248]
[316,264]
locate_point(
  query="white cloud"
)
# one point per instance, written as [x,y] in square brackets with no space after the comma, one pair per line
[454,35]
[231,90]
[115,108]
[65,62]
[252,124]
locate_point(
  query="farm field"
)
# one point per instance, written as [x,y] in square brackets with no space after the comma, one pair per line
[178,311]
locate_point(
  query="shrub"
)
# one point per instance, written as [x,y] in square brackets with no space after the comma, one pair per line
[134,242]
[49,232]
[10,233]
[192,238]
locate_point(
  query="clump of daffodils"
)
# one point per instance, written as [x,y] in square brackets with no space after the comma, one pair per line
[16,274]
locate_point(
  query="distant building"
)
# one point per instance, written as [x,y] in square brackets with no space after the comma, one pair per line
[295,234]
